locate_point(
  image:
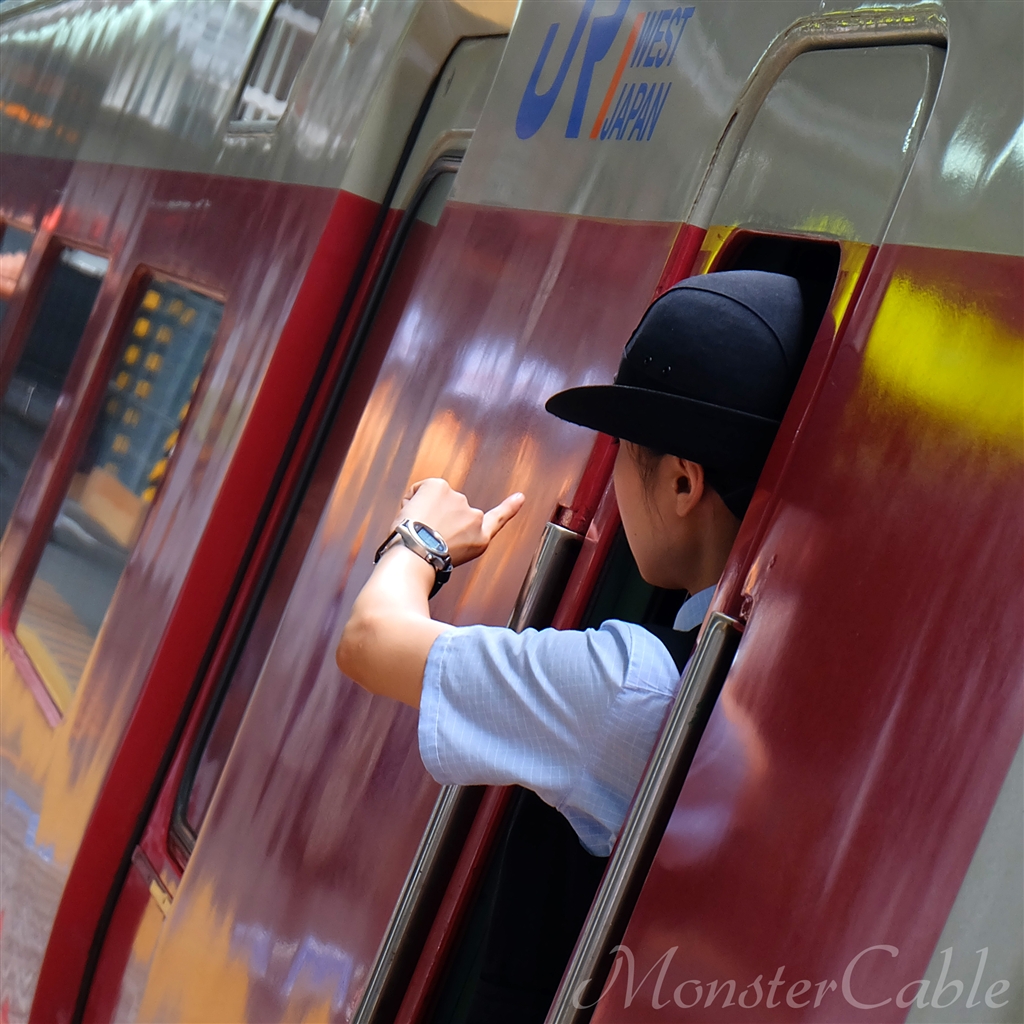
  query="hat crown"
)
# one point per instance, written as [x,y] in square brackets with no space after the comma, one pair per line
[706,376]
[730,339]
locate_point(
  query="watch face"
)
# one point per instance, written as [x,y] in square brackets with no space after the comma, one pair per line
[427,536]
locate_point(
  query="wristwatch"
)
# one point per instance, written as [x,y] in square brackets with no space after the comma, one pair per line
[427,543]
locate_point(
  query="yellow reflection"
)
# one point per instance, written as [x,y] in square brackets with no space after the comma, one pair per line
[715,237]
[311,1014]
[954,361]
[33,750]
[828,224]
[501,12]
[446,450]
[487,587]
[144,944]
[367,447]
[851,263]
[51,670]
[196,944]
[27,736]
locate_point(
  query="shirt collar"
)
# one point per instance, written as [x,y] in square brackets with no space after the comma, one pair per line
[693,610]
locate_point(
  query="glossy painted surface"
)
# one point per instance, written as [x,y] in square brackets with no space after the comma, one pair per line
[155,85]
[987,915]
[273,924]
[453,111]
[120,980]
[971,149]
[134,927]
[592,510]
[832,142]
[59,773]
[712,59]
[735,883]
[282,257]
[322,802]
[866,728]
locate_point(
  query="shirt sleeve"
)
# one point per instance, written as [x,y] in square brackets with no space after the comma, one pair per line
[571,714]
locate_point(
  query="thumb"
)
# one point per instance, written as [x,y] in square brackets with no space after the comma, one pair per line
[498,516]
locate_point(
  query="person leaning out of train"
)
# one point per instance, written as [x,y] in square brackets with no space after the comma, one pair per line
[574,714]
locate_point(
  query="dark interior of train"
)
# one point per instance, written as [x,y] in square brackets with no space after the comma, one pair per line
[38,378]
[540,881]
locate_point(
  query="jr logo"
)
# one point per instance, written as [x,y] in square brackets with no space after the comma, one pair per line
[651,43]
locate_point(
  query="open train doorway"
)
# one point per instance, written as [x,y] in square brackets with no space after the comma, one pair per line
[540,882]
[804,182]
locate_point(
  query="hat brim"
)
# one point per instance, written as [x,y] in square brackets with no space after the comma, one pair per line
[712,435]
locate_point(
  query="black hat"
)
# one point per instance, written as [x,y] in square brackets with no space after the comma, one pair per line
[706,376]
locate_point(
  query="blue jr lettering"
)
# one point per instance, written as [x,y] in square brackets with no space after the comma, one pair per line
[651,42]
[602,35]
[534,107]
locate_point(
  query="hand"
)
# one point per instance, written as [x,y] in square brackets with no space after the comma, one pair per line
[466,530]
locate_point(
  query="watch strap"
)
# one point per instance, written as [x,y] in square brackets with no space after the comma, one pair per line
[440,563]
[441,577]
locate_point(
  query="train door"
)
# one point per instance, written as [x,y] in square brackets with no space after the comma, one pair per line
[821,836]
[791,171]
[804,183]
[357,466]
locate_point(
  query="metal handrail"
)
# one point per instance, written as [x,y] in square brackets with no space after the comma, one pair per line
[923,24]
[546,578]
[627,870]
[442,839]
[451,818]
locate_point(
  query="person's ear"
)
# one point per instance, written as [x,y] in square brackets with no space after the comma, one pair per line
[689,485]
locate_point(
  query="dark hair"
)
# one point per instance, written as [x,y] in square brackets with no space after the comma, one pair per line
[723,484]
[646,460]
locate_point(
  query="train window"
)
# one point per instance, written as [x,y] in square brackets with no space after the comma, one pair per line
[217,734]
[832,141]
[117,478]
[284,46]
[39,375]
[14,247]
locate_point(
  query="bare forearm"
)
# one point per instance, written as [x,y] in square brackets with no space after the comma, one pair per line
[388,636]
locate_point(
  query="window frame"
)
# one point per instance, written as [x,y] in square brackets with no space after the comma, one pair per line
[240,126]
[82,396]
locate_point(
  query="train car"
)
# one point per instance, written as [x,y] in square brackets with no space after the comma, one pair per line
[197,193]
[264,264]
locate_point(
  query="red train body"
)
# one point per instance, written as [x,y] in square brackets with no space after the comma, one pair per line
[320,250]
